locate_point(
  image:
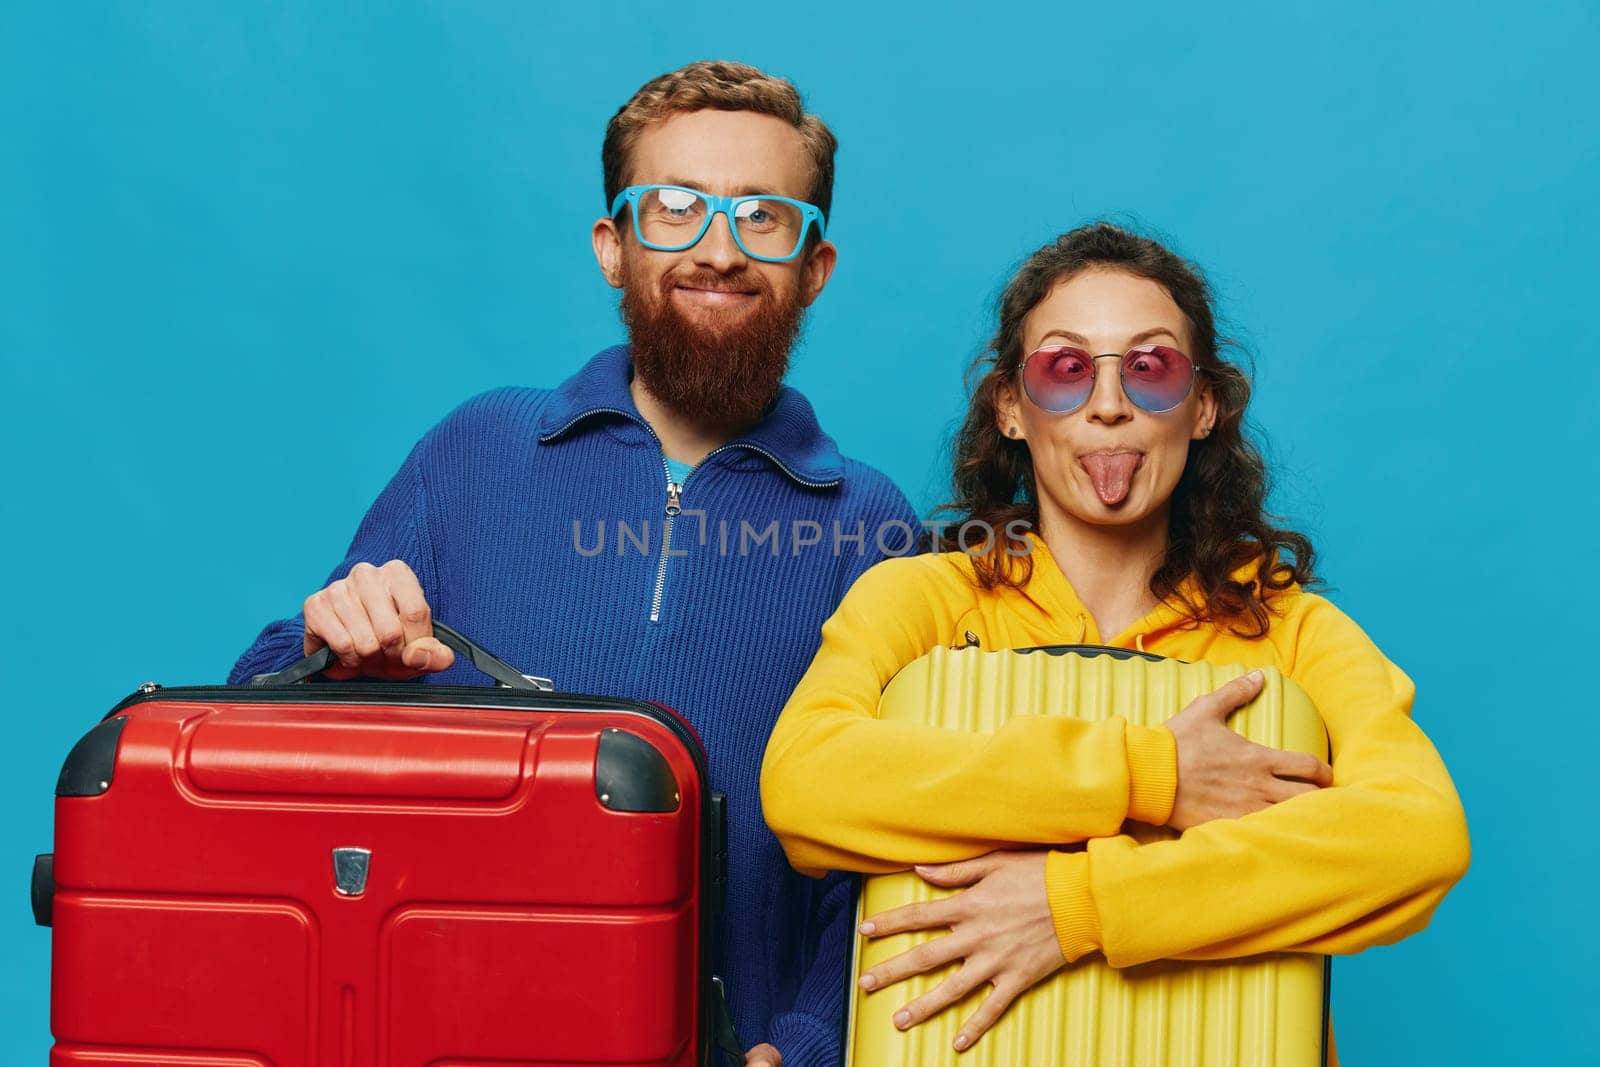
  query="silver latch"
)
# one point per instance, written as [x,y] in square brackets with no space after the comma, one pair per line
[350,867]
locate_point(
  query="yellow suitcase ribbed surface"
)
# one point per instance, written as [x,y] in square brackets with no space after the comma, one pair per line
[1266,1011]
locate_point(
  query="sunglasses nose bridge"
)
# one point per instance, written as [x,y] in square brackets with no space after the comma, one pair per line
[1107,397]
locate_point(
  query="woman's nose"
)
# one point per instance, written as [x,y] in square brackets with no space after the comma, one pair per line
[1107,402]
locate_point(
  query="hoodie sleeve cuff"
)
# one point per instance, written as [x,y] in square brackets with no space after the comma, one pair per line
[1066,882]
[1152,773]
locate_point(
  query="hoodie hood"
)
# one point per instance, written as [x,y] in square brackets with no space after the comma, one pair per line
[1053,594]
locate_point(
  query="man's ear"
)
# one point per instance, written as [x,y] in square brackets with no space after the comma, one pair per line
[817,270]
[607,241]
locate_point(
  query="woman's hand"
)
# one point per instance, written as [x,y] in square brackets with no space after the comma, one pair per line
[1000,928]
[763,1055]
[1223,776]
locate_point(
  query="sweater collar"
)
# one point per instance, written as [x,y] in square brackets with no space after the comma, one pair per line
[788,434]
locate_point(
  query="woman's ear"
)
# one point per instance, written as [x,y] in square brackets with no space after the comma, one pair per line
[1205,414]
[1007,411]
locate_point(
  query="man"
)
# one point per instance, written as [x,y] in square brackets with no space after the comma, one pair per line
[670,523]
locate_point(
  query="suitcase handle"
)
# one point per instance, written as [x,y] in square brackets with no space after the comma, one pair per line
[1092,650]
[485,661]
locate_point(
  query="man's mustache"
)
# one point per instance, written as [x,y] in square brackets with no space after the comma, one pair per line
[740,281]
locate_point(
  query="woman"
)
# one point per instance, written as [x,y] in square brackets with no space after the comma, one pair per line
[1109,428]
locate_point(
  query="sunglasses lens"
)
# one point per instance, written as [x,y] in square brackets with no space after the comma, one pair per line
[1058,379]
[1157,378]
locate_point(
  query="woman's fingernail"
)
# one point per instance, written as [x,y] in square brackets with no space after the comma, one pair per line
[1255,676]
[902,1019]
[869,929]
[962,1042]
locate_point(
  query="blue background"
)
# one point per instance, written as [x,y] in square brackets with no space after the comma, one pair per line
[249,252]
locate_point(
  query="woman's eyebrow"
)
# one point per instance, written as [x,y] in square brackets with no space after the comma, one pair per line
[1138,338]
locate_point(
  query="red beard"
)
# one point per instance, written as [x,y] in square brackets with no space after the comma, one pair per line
[722,374]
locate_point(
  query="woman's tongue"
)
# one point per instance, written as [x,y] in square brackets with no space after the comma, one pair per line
[1112,474]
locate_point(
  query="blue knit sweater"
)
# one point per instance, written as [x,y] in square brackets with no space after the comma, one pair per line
[535,521]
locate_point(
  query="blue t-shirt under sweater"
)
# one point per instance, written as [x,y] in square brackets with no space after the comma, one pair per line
[536,521]
[677,472]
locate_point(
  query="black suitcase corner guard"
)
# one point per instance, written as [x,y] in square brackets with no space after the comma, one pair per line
[631,774]
[44,887]
[87,772]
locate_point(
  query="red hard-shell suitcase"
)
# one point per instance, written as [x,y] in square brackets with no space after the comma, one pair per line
[366,875]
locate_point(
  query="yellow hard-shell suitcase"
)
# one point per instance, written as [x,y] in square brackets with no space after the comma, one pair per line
[1265,1011]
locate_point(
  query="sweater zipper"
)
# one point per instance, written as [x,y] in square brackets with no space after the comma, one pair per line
[674,506]
[675,491]
[674,496]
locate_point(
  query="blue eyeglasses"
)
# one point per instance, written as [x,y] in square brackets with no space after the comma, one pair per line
[670,218]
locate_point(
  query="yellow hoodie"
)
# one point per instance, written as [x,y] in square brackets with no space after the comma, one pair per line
[1336,870]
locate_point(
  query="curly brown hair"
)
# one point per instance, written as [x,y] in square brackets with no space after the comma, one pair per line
[1218,522]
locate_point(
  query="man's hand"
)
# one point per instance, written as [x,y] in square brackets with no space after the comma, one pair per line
[377,622]
[763,1055]
[1000,930]
[1223,776]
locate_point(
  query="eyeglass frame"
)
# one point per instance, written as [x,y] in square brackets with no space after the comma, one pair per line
[810,215]
[1094,364]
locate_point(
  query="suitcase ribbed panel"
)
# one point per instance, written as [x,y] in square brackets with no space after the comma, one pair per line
[1267,1011]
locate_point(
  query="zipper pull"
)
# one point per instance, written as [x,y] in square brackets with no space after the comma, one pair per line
[674,498]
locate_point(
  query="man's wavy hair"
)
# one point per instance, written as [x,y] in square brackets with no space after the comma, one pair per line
[1218,521]
[718,86]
